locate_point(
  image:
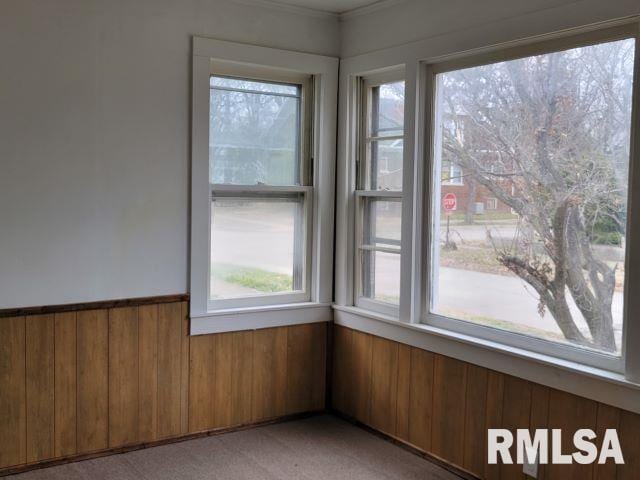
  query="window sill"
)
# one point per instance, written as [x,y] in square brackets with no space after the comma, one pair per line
[253,318]
[601,385]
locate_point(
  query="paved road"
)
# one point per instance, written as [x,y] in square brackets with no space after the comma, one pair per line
[245,235]
[498,297]
[503,298]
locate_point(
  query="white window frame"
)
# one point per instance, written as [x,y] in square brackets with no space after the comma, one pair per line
[261,63]
[305,83]
[433,181]
[362,173]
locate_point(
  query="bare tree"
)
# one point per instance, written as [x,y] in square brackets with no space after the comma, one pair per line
[558,125]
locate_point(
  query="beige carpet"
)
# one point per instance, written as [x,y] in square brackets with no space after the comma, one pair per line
[321,447]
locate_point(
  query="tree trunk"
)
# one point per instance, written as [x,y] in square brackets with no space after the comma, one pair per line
[592,295]
[562,315]
[471,201]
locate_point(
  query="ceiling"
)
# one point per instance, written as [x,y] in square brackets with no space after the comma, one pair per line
[330,6]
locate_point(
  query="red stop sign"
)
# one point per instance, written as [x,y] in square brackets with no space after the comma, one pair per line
[449,202]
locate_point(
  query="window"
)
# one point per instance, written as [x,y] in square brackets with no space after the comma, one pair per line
[260,191]
[379,195]
[545,139]
[262,183]
[451,174]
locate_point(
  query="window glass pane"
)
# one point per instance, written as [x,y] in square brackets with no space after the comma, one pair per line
[381,276]
[254,138]
[381,223]
[385,119]
[257,246]
[387,109]
[533,240]
[254,85]
[381,249]
[386,164]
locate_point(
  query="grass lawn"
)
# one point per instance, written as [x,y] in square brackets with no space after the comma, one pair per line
[458,217]
[256,278]
[477,258]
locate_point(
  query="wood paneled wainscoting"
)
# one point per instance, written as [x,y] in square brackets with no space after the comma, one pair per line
[444,406]
[80,380]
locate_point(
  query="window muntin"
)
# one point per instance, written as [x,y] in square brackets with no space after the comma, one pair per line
[379,196]
[548,136]
[260,194]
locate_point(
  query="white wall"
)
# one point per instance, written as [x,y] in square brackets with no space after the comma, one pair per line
[412,20]
[95,138]
[95,112]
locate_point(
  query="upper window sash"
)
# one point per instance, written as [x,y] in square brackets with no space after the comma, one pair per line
[370,132]
[298,88]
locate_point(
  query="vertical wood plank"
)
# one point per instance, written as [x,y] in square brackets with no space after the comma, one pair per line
[475,431]
[65,384]
[123,376]
[606,417]
[539,416]
[299,368]
[242,377]
[231,399]
[384,385]
[13,425]
[361,351]
[184,368]
[342,394]
[202,375]
[269,373]
[516,409]
[319,366]
[222,396]
[148,372]
[629,435]
[495,400]
[449,394]
[569,413]
[169,357]
[39,387]
[421,398]
[93,380]
[403,392]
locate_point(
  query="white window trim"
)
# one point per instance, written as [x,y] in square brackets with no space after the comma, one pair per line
[601,385]
[286,65]
[619,389]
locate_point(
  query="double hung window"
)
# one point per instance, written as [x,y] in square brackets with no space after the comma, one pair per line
[379,194]
[260,182]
